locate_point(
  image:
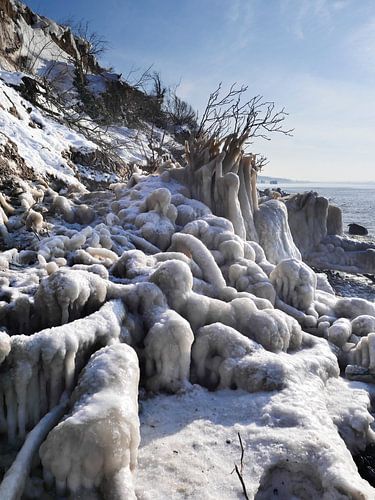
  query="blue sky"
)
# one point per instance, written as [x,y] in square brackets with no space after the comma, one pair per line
[316,58]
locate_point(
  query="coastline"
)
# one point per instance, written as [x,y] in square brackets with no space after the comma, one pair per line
[351,285]
[356,201]
[344,284]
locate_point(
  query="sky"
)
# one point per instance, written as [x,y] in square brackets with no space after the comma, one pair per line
[316,58]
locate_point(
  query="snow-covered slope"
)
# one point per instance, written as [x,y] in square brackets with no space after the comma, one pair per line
[49,149]
[41,142]
[68,116]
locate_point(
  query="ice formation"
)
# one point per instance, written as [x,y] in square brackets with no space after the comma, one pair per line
[39,367]
[167,283]
[99,437]
[67,295]
[167,352]
[317,230]
[223,358]
[272,219]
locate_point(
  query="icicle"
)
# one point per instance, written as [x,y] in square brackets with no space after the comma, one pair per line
[14,480]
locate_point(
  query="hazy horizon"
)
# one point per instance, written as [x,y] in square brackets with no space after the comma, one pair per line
[313,57]
[312,181]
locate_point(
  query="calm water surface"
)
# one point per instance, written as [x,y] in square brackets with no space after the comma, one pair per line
[357,201]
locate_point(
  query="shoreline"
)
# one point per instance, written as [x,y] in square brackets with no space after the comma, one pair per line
[357,203]
[351,285]
[344,284]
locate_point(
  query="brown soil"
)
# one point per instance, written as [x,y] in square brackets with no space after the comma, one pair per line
[12,166]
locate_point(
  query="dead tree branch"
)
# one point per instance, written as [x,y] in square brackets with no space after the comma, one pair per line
[231,112]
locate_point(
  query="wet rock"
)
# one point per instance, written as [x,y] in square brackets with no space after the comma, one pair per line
[365,462]
[357,230]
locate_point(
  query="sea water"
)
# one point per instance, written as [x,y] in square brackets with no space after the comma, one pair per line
[357,201]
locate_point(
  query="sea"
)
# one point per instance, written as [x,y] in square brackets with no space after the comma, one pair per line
[357,201]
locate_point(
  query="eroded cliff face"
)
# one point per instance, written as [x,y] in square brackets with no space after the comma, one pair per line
[10,39]
[25,36]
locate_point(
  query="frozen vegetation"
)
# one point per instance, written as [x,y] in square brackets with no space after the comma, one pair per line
[185,289]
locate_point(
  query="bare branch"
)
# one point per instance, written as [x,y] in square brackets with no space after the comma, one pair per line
[139,80]
[82,29]
[239,474]
[251,118]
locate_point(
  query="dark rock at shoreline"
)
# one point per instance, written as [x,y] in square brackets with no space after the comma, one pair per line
[269,192]
[365,462]
[357,230]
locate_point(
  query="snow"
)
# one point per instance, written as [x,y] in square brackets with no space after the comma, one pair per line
[189,444]
[184,446]
[12,78]
[41,148]
[37,45]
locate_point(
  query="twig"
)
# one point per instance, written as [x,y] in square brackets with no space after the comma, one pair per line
[242,483]
[9,99]
[36,234]
[240,470]
[242,450]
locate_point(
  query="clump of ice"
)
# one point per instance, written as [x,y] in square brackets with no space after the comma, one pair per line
[99,437]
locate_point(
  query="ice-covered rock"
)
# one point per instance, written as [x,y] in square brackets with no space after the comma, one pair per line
[67,295]
[39,367]
[99,437]
[317,230]
[223,358]
[271,328]
[271,221]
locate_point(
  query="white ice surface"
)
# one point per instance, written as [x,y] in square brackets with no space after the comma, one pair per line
[189,445]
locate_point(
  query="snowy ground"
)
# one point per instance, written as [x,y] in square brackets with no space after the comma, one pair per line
[190,446]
